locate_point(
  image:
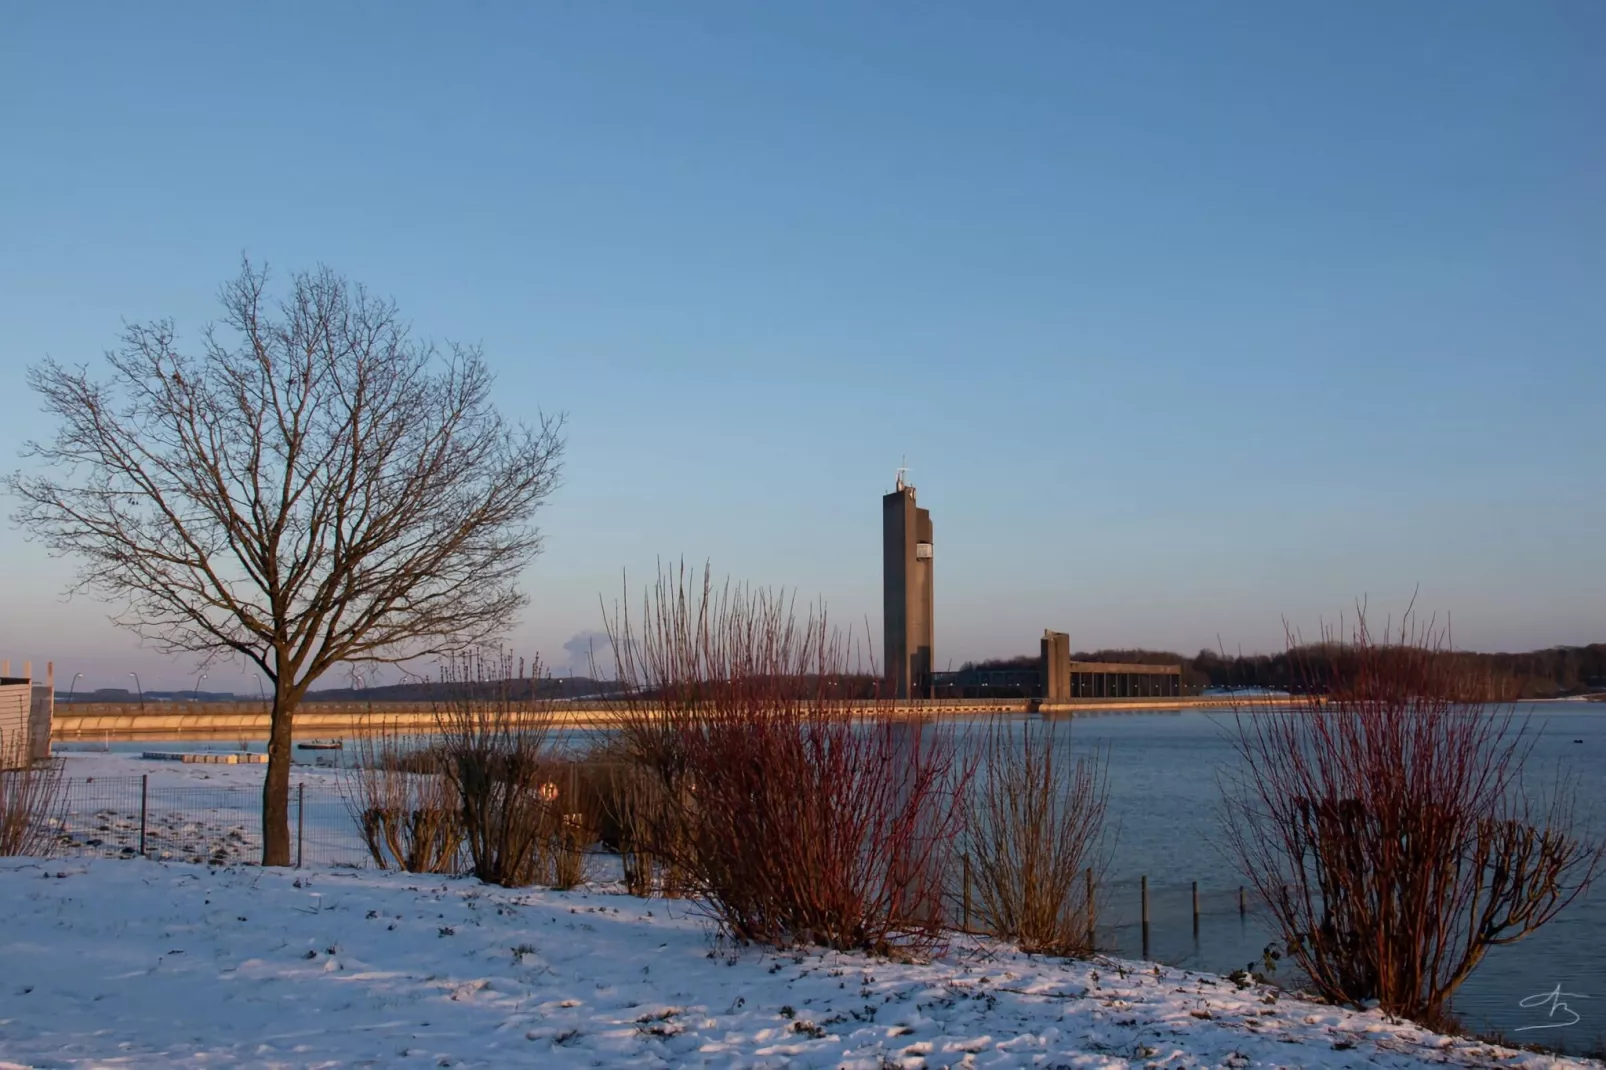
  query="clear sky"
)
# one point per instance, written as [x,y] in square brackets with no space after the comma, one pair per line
[1188,317]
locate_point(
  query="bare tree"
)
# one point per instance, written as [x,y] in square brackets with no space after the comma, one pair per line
[315,486]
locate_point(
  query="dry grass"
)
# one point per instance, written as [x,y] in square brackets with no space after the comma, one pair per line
[1035,837]
[32,794]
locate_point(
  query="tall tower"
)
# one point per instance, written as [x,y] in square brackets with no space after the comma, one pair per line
[906,593]
[1056,666]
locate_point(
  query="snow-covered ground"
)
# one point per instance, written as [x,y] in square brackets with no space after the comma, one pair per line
[141,963]
[134,962]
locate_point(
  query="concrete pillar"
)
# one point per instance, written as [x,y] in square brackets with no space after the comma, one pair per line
[41,714]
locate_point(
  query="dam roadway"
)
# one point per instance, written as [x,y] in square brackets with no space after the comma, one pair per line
[248,721]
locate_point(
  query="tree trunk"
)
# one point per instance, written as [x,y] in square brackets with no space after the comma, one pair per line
[276,785]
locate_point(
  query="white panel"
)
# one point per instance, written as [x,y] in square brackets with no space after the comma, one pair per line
[15,700]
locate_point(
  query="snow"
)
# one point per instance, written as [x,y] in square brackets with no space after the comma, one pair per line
[136,962]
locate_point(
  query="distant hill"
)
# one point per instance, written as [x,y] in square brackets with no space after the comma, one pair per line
[567,687]
[424,691]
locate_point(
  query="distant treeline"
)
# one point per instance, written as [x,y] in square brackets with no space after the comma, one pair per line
[544,687]
[1567,670]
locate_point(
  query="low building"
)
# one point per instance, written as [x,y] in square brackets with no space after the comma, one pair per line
[26,710]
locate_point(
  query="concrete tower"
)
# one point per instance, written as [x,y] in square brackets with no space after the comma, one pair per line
[1056,666]
[906,593]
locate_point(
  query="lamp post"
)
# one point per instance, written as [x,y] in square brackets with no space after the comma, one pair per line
[75,678]
[141,691]
[196,694]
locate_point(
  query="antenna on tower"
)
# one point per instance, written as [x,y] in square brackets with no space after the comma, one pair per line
[903,466]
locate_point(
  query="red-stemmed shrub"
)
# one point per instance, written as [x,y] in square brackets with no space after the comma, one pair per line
[792,813]
[1385,821]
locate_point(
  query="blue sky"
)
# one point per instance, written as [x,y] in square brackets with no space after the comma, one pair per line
[1188,317]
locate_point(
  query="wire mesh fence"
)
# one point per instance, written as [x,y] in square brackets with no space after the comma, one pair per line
[1180,922]
[1171,921]
[130,816]
[126,817]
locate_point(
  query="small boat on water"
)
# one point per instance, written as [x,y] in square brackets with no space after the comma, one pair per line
[320,744]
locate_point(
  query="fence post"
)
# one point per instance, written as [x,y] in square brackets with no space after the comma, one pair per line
[1144,886]
[301,820]
[144,799]
[1092,909]
[965,860]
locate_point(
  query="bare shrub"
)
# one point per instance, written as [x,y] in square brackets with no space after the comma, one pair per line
[792,815]
[1386,823]
[567,842]
[1034,831]
[631,807]
[624,795]
[404,803]
[494,737]
[32,795]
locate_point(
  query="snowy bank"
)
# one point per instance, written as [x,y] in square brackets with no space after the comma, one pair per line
[145,963]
